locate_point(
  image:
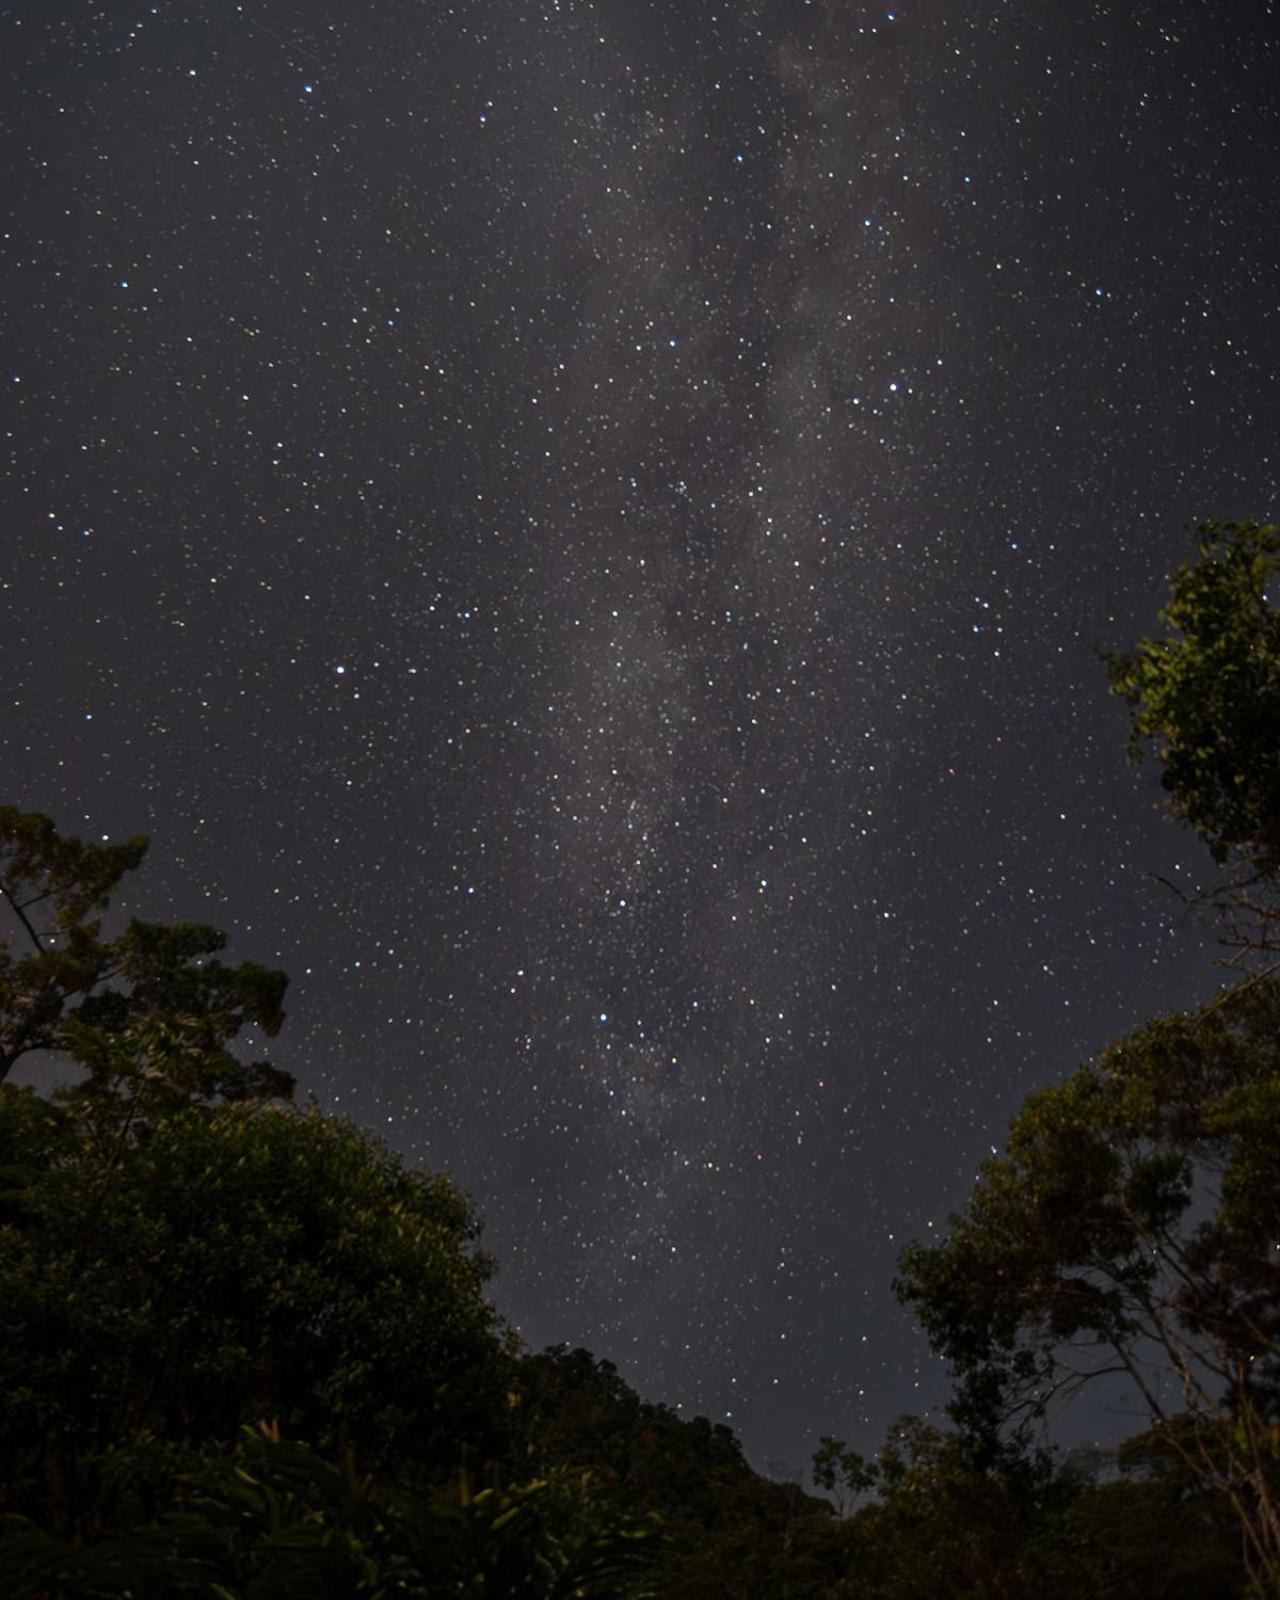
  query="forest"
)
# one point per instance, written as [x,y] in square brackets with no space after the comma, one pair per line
[246,1350]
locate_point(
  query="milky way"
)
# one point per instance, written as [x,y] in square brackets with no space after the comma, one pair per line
[584,532]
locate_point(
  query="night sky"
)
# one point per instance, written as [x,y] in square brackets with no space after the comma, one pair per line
[583,531]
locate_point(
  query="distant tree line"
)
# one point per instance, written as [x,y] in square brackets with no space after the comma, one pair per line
[245,1351]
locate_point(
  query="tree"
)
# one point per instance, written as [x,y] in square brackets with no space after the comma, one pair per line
[1206,696]
[152,1007]
[941,1522]
[729,1533]
[237,1263]
[841,1473]
[576,1411]
[1147,1530]
[1131,1227]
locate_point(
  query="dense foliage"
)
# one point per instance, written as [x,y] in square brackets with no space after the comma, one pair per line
[245,1352]
[230,1265]
[1206,694]
[272,1519]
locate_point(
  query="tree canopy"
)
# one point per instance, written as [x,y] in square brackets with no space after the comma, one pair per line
[1206,693]
[1130,1227]
[155,1002]
[233,1265]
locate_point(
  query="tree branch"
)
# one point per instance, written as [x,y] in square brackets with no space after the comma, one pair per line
[20,912]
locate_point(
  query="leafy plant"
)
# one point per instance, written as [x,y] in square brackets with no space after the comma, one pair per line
[277,1520]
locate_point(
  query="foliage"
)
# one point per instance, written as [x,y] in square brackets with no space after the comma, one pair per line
[841,1472]
[578,1411]
[940,1522]
[1130,1227]
[153,1008]
[1146,1532]
[1028,1526]
[770,1542]
[233,1264]
[729,1532]
[1207,694]
[275,1520]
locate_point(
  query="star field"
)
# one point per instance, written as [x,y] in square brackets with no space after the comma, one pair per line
[583,531]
